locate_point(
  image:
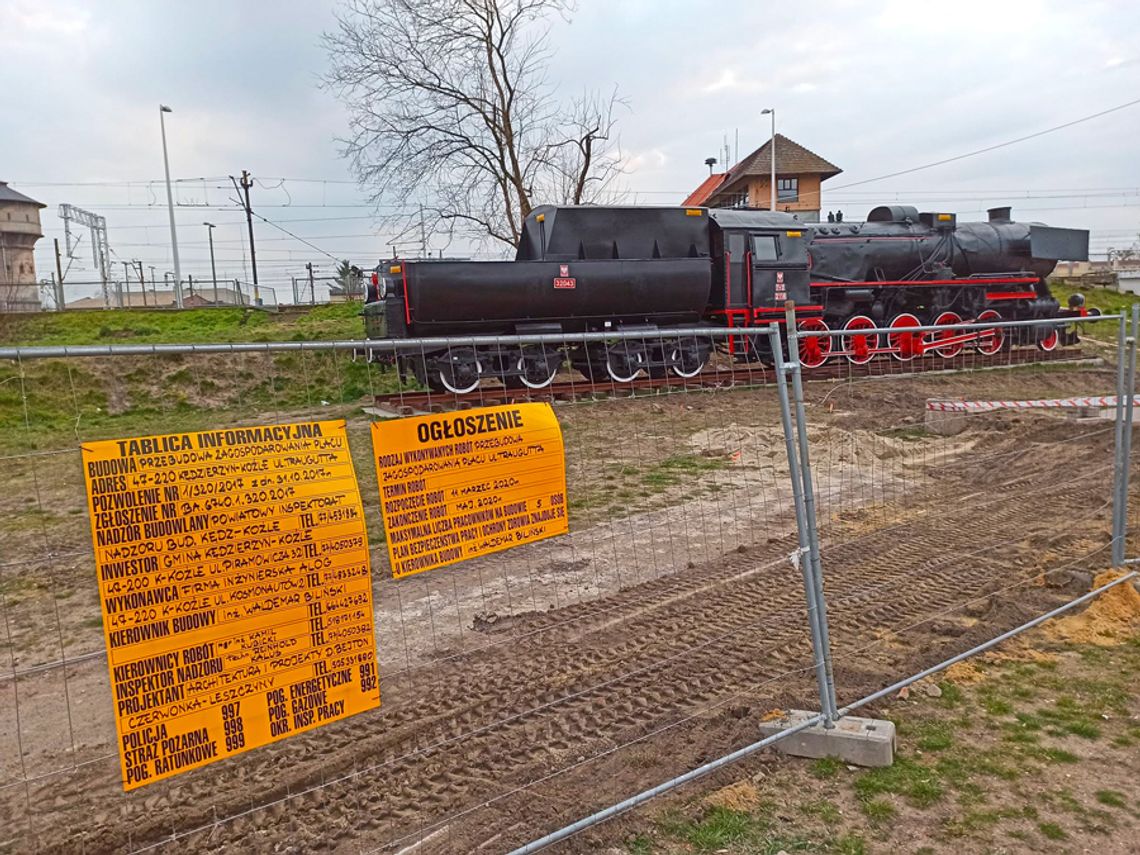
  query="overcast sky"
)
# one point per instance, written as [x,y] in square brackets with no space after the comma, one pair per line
[873,87]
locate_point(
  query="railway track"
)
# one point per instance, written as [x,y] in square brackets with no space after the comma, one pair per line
[736,376]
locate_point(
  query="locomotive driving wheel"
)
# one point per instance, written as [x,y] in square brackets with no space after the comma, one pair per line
[905,344]
[1049,341]
[815,349]
[947,351]
[859,346]
[990,341]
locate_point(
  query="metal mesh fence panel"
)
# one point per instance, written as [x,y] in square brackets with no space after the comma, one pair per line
[987,498]
[524,689]
[670,615]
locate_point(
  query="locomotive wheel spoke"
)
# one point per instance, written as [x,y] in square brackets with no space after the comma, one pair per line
[990,341]
[947,351]
[859,347]
[905,345]
[814,350]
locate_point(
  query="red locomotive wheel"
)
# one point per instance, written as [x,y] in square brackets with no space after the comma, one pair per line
[949,350]
[1049,341]
[990,341]
[814,350]
[904,345]
[859,346]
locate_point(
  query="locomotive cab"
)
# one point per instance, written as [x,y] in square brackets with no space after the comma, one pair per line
[761,262]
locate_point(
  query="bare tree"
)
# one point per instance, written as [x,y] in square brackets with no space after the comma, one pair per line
[450,107]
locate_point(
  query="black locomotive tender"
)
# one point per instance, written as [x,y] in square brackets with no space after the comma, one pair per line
[655,269]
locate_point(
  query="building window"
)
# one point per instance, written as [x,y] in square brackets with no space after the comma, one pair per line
[787,189]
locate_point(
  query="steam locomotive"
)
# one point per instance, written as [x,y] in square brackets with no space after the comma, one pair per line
[655,269]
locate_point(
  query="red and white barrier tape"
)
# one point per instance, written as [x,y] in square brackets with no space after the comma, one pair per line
[1102,401]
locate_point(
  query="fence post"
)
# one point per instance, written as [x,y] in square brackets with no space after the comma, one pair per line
[1118,511]
[809,508]
[803,556]
[1120,530]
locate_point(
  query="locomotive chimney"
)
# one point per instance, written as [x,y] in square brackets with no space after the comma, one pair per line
[1000,215]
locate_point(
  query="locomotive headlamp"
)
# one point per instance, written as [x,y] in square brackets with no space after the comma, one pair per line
[795,234]
[945,218]
[395,268]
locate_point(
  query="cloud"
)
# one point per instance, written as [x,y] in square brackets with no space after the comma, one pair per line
[873,89]
[652,159]
[727,82]
[24,18]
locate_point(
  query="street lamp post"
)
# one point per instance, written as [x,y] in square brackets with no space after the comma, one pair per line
[772,145]
[213,270]
[162,108]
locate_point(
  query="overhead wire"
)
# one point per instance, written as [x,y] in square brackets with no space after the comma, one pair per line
[990,148]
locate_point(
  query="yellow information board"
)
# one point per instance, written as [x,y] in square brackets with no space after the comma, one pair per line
[236,590]
[458,485]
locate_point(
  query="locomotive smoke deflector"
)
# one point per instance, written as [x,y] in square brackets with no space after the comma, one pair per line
[1049,242]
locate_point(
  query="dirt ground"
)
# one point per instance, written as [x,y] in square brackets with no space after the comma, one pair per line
[525,690]
[1034,746]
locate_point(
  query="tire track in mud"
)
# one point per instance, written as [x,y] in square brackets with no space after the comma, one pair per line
[569,688]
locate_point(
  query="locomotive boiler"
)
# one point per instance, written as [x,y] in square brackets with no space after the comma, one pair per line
[651,270]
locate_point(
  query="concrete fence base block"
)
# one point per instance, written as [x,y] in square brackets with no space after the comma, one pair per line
[857,741]
[945,423]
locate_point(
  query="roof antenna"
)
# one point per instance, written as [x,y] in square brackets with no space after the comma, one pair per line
[710,162]
[736,151]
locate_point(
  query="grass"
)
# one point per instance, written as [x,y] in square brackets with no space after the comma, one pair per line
[1096,297]
[826,767]
[721,829]
[190,326]
[47,404]
[917,783]
[679,468]
[1111,798]
[824,809]
[879,811]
